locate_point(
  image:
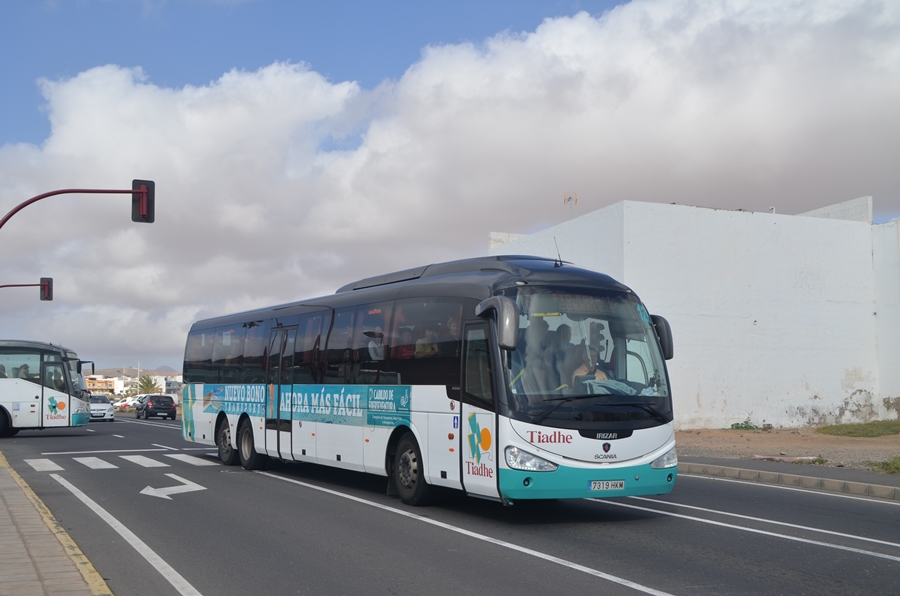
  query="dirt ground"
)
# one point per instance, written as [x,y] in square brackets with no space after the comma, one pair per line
[787,445]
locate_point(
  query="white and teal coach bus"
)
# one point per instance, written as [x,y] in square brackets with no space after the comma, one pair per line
[40,387]
[507,377]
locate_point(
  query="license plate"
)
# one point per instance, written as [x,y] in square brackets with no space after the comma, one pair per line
[607,485]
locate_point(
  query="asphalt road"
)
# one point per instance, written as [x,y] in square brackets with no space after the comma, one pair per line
[303,529]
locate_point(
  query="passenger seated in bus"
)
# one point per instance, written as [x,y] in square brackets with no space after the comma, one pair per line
[23,372]
[376,343]
[426,346]
[449,344]
[406,348]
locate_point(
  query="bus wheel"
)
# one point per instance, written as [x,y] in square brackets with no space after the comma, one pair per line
[409,472]
[250,459]
[227,453]
[5,427]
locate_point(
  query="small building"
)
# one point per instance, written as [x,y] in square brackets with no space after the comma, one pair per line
[789,320]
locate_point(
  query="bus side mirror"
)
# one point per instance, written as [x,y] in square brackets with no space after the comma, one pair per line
[507,319]
[143,205]
[664,333]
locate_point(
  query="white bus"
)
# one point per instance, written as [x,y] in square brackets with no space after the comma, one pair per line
[41,386]
[506,377]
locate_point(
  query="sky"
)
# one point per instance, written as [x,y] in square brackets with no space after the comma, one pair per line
[297,146]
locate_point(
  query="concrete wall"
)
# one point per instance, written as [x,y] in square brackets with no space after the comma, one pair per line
[886,256]
[773,315]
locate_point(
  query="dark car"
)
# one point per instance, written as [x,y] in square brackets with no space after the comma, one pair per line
[155,405]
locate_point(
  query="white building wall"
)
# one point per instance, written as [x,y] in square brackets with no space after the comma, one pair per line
[886,255]
[772,315]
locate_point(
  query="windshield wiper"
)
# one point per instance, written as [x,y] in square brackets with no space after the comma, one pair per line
[646,407]
[559,401]
[563,400]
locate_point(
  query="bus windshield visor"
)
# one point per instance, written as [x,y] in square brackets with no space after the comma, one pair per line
[584,355]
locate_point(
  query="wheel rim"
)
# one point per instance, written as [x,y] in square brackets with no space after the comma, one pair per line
[408,469]
[225,439]
[246,445]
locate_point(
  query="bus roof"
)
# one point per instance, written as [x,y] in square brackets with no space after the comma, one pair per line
[480,277]
[33,345]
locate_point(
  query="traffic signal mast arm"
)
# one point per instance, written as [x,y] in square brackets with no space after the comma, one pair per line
[142,200]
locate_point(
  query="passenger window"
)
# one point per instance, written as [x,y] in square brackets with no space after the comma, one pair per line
[306,354]
[256,340]
[228,354]
[339,366]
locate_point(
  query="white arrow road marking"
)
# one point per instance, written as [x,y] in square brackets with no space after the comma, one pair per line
[186,487]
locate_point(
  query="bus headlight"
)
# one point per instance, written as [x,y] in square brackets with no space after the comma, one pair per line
[518,459]
[668,460]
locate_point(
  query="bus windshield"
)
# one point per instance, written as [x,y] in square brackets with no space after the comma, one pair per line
[584,355]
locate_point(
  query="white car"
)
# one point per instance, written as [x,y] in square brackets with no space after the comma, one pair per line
[101,409]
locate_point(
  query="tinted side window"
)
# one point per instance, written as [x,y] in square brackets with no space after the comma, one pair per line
[227,353]
[478,387]
[256,340]
[370,344]
[425,339]
[338,360]
[306,369]
[198,357]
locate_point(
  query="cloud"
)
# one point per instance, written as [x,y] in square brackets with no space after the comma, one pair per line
[278,184]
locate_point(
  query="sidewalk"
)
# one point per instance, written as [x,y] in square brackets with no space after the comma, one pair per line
[37,556]
[838,480]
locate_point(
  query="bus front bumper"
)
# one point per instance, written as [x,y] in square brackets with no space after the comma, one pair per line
[580,483]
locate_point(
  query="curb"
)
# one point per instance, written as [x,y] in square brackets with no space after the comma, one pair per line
[861,489]
[94,580]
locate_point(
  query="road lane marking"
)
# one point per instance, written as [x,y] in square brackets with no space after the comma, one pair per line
[186,486]
[165,447]
[95,463]
[43,465]
[145,461]
[770,521]
[99,451]
[153,424]
[808,491]
[752,530]
[172,576]
[190,459]
[482,537]
[119,436]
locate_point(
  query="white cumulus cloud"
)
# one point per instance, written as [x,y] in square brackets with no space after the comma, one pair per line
[278,184]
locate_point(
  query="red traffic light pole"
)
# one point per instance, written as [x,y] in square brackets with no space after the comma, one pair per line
[46,286]
[142,201]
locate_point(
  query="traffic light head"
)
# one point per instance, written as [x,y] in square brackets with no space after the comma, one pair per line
[46,288]
[143,209]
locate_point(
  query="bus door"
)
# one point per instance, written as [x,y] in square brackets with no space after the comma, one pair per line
[55,402]
[27,405]
[478,427]
[278,402]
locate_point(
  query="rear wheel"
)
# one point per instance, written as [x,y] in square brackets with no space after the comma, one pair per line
[409,472]
[227,453]
[6,429]
[250,458]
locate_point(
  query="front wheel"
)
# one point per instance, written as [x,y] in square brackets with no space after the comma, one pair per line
[250,458]
[409,472]
[227,454]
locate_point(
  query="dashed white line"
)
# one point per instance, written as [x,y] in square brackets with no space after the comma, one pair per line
[43,465]
[95,463]
[144,461]
[165,447]
[190,459]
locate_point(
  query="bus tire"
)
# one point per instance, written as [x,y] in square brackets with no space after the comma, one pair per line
[250,458]
[409,472]
[227,453]
[5,426]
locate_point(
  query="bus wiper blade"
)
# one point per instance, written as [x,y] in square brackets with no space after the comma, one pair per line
[559,401]
[646,407]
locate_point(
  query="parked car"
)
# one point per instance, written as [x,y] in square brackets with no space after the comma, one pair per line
[101,409]
[155,405]
[128,402]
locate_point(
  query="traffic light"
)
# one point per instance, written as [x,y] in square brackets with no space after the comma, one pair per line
[143,208]
[46,288]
